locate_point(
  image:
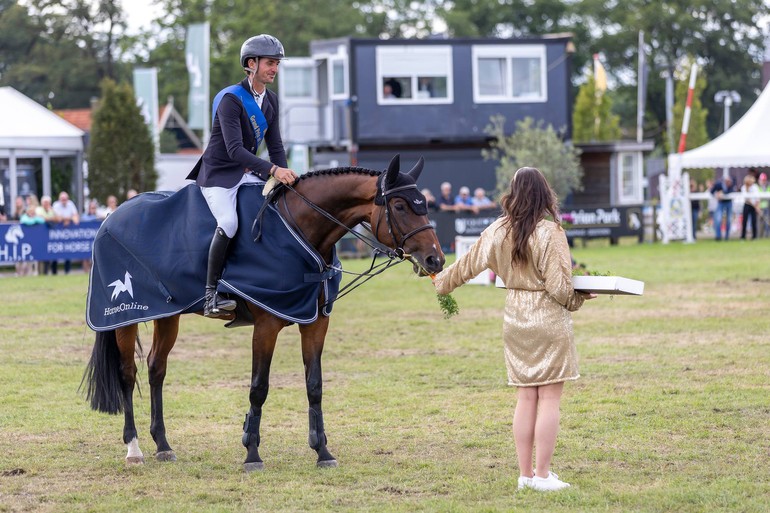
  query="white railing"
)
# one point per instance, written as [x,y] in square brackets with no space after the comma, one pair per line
[733,195]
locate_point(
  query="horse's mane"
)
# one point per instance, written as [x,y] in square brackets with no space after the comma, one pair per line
[340,171]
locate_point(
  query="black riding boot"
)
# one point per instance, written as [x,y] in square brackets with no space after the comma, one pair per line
[215,304]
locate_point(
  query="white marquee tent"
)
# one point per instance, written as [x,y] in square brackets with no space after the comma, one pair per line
[29,130]
[745,144]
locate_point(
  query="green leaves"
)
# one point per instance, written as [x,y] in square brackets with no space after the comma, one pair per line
[121,152]
[532,144]
[448,305]
[592,118]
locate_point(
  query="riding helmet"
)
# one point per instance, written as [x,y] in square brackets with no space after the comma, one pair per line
[263,45]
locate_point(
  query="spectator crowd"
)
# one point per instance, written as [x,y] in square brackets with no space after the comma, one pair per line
[28,211]
[463,201]
[732,206]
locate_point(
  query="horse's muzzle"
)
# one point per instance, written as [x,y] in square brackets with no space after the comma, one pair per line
[433,264]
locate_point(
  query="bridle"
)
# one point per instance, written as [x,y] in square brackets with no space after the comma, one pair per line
[395,256]
[390,222]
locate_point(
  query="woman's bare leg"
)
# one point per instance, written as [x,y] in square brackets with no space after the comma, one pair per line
[546,426]
[524,418]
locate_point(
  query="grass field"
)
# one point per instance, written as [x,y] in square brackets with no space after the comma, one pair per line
[672,412]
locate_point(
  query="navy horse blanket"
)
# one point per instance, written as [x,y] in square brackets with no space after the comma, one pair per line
[150,255]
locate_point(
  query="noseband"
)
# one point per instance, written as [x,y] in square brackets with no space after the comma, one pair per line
[389,222]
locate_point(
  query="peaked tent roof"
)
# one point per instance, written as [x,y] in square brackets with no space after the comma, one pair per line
[745,144]
[27,125]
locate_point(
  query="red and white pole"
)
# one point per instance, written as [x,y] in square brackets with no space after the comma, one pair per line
[687,108]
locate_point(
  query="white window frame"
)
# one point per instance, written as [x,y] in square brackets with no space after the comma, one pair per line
[388,52]
[637,195]
[332,59]
[313,88]
[509,52]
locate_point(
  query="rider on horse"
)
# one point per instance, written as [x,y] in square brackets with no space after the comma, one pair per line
[243,115]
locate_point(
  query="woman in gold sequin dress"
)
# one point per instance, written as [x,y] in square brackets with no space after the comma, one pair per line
[531,256]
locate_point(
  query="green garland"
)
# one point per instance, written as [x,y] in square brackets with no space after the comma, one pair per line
[448,305]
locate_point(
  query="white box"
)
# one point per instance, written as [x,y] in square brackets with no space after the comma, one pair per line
[462,246]
[615,285]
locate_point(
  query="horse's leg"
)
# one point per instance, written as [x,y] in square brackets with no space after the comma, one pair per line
[163,339]
[126,339]
[313,336]
[266,328]
[110,378]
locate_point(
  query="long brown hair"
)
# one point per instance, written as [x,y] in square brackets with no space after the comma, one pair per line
[527,202]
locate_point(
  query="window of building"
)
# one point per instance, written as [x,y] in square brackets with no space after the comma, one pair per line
[297,82]
[339,82]
[630,175]
[511,73]
[414,74]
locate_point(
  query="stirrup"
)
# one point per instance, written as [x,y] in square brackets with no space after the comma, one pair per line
[217,305]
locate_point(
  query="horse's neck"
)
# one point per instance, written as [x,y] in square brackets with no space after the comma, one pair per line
[347,197]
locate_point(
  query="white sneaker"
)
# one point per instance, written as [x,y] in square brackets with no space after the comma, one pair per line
[525,482]
[548,484]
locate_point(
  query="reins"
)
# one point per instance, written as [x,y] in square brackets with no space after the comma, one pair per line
[394,256]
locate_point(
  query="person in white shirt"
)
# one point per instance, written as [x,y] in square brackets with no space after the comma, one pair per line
[66,210]
[67,213]
[480,199]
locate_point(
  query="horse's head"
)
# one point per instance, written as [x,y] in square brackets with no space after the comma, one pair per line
[400,219]
[14,234]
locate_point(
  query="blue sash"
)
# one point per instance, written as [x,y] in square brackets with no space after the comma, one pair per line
[256,117]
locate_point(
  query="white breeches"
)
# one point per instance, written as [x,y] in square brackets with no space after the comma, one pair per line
[222,203]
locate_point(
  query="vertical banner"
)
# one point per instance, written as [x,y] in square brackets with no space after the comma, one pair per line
[146,91]
[197,60]
[641,88]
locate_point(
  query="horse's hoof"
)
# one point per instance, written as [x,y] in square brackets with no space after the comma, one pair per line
[134,460]
[253,466]
[327,464]
[165,456]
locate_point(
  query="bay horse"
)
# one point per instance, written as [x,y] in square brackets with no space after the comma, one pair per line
[322,206]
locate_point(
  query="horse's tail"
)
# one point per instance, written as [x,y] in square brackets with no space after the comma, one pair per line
[103,377]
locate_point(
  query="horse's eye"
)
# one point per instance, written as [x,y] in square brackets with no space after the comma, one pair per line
[399,205]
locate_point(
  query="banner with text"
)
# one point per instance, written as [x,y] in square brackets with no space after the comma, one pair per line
[41,242]
[602,222]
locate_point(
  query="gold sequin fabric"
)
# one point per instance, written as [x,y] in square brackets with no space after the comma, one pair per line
[537,324]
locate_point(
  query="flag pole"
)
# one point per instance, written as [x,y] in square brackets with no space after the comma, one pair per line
[641,87]
[687,108]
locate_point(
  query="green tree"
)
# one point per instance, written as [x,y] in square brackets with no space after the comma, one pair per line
[535,146]
[722,34]
[592,117]
[696,132]
[121,155]
[57,51]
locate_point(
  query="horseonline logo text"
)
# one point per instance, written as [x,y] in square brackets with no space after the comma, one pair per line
[118,287]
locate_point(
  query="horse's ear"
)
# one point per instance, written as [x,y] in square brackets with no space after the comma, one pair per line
[393,169]
[417,169]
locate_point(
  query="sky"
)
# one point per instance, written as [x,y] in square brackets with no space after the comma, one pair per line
[139,14]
